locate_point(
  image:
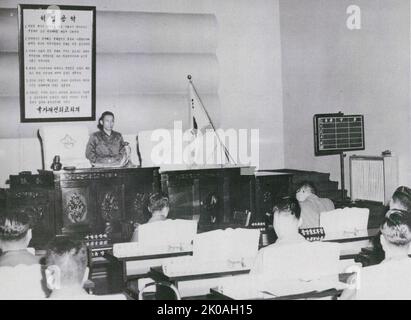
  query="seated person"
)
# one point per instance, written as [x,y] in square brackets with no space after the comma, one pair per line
[67,270]
[287,220]
[391,279]
[21,274]
[159,207]
[311,205]
[15,236]
[401,200]
[106,147]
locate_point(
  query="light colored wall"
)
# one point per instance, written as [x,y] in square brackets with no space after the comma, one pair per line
[248,62]
[328,68]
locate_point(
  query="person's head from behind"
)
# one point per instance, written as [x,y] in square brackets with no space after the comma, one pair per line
[159,205]
[287,217]
[396,233]
[106,121]
[66,263]
[15,231]
[304,190]
[401,199]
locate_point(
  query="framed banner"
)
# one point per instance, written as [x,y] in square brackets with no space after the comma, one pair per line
[57,53]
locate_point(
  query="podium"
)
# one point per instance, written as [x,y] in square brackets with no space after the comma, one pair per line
[90,200]
[85,201]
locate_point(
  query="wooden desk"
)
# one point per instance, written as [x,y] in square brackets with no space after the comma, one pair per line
[83,201]
[157,274]
[86,200]
[218,293]
[208,194]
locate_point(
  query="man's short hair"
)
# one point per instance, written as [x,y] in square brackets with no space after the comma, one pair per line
[14,226]
[70,256]
[288,205]
[396,227]
[402,195]
[158,202]
[307,184]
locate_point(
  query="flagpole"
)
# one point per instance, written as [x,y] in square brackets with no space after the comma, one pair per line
[227,154]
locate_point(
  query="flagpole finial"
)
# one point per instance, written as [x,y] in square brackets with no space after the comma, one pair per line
[189,77]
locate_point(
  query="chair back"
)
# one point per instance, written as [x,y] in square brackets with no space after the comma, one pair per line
[229,244]
[304,260]
[167,232]
[163,291]
[69,142]
[344,220]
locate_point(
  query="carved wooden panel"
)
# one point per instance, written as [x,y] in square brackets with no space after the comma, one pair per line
[136,202]
[92,200]
[77,209]
[139,207]
[41,217]
[109,205]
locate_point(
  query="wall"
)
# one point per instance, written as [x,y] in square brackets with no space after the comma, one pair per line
[328,68]
[247,66]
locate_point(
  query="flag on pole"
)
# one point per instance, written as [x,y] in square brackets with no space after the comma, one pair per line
[202,126]
[200,121]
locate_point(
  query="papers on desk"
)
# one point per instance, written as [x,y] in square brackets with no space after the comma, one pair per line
[344,220]
[251,287]
[229,244]
[134,249]
[192,266]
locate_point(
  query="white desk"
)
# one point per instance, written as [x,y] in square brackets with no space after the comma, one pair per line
[196,284]
[251,289]
[352,242]
[143,260]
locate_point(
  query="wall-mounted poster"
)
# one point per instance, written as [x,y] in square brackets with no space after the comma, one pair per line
[57,52]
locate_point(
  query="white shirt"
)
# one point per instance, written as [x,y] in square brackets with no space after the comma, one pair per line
[260,265]
[311,209]
[22,282]
[389,280]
